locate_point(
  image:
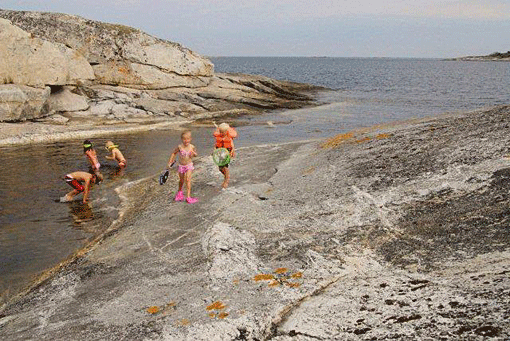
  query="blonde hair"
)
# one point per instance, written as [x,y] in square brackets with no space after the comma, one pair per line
[223,127]
[184,132]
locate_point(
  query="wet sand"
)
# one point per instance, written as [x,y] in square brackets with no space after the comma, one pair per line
[395,231]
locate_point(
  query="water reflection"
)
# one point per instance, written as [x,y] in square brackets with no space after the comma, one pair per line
[81,213]
[37,231]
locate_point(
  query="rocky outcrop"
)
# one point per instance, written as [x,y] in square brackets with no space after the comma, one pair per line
[19,102]
[37,62]
[65,100]
[28,66]
[394,232]
[123,74]
[496,56]
[120,55]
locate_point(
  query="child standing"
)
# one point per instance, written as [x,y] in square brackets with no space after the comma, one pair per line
[116,154]
[90,153]
[225,135]
[186,152]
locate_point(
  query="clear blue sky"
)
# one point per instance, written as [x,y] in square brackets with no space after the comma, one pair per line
[338,28]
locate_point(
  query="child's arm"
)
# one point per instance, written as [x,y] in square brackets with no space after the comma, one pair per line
[110,157]
[172,158]
[194,151]
[233,151]
[86,192]
[117,155]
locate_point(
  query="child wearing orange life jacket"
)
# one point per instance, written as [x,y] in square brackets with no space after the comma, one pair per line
[225,135]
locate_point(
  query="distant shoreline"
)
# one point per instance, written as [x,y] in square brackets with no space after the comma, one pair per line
[493,57]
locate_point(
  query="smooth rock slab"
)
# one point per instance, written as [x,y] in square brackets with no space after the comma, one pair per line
[36,62]
[19,102]
[120,54]
[65,100]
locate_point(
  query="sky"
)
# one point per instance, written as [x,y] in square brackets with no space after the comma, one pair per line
[333,28]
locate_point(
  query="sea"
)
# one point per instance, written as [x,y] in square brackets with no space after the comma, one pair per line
[37,232]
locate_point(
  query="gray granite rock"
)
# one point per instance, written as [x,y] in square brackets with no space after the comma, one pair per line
[120,55]
[391,232]
[116,63]
[65,100]
[20,102]
[26,60]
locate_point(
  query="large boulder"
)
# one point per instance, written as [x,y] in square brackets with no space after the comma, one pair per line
[120,55]
[65,101]
[36,62]
[20,102]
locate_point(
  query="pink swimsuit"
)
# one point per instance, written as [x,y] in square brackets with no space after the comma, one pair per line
[187,167]
[184,168]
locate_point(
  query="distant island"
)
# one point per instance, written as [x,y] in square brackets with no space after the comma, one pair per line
[496,56]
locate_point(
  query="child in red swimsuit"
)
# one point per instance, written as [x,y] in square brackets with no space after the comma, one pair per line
[80,182]
[186,152]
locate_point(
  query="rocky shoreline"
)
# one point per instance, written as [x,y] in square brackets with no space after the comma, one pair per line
[113,114]
[62,74]
[493,57]
[398,231]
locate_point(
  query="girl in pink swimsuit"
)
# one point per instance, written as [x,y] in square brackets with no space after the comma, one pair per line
[186,152]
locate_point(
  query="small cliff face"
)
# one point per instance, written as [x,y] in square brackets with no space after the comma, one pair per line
[119,54]
[121,74]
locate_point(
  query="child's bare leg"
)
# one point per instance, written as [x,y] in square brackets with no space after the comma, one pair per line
[181,181]
[188,183]
[226,174]
[189,199]
[179,196]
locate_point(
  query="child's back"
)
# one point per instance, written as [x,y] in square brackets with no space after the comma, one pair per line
[116,154]
[91,155]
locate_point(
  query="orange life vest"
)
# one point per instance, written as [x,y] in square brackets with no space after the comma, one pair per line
[225,141]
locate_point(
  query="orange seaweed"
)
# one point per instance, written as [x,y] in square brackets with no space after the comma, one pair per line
[263,277]
[216,306]
[365,139]
[153,310]
[281,270]
[337,140]
[273,284]
[292,285]
[222,315]
[297,275]
[383,136]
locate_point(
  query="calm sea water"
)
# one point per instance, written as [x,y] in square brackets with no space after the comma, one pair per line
[368,91]
[36,233]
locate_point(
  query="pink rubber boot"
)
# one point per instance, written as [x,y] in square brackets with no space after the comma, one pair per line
[191,200]
[179,196]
